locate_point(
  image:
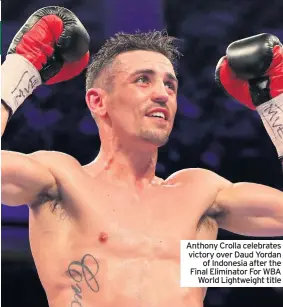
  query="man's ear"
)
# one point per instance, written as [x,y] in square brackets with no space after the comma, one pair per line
[95,99]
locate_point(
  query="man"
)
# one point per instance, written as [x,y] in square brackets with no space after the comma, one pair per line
[119,245]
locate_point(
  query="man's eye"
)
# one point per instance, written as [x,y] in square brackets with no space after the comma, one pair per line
[142,79]
[170,85]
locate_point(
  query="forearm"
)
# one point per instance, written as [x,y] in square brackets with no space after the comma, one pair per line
[4,118]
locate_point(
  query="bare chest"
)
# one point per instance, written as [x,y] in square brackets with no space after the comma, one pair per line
[150,222]
[129,241]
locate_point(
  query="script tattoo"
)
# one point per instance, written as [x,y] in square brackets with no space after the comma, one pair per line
[273,115]
[20,91]
[80,272]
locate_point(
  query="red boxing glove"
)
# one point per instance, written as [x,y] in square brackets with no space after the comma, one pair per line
[55,42]
[51,47]
[252,71]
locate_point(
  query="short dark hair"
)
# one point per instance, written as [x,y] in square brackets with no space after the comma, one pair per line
[158,41]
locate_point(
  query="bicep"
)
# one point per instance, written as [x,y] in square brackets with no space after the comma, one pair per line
[251,199]
[23,178]
[253,226]
[251,209]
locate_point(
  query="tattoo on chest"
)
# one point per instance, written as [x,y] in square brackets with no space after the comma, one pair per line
[82,274]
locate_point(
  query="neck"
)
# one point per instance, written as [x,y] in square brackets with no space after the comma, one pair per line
[131,165]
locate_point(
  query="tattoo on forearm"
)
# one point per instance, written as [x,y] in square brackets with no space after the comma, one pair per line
[80,273]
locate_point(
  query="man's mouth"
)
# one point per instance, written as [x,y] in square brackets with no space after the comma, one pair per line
[158,113]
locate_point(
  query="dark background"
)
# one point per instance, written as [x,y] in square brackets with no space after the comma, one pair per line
[211,130]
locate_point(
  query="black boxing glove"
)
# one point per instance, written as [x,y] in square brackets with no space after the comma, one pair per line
[51,47]
[252,73]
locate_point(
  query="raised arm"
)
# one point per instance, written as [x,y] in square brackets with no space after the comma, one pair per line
[252,73]
[25,179]
[32,60]
[251,209]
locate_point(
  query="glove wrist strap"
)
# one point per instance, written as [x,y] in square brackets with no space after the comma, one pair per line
[19,79]
[271,113]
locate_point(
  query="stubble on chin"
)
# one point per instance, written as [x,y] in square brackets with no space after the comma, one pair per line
[155,137]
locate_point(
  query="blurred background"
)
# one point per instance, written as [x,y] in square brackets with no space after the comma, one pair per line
[211,131]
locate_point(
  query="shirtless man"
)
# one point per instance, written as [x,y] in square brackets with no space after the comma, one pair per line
[118,243]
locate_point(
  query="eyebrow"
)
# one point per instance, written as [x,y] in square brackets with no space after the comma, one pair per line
[169,75]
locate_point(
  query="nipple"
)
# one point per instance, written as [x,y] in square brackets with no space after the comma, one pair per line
[103,237]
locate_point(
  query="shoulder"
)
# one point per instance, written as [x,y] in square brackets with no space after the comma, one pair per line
[198,175]
[204,184]
[63,167]
[60,165]
[53,158]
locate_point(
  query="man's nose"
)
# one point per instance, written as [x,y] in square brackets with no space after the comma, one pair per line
[159,94]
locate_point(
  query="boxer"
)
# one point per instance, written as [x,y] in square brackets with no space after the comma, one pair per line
[119,245]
